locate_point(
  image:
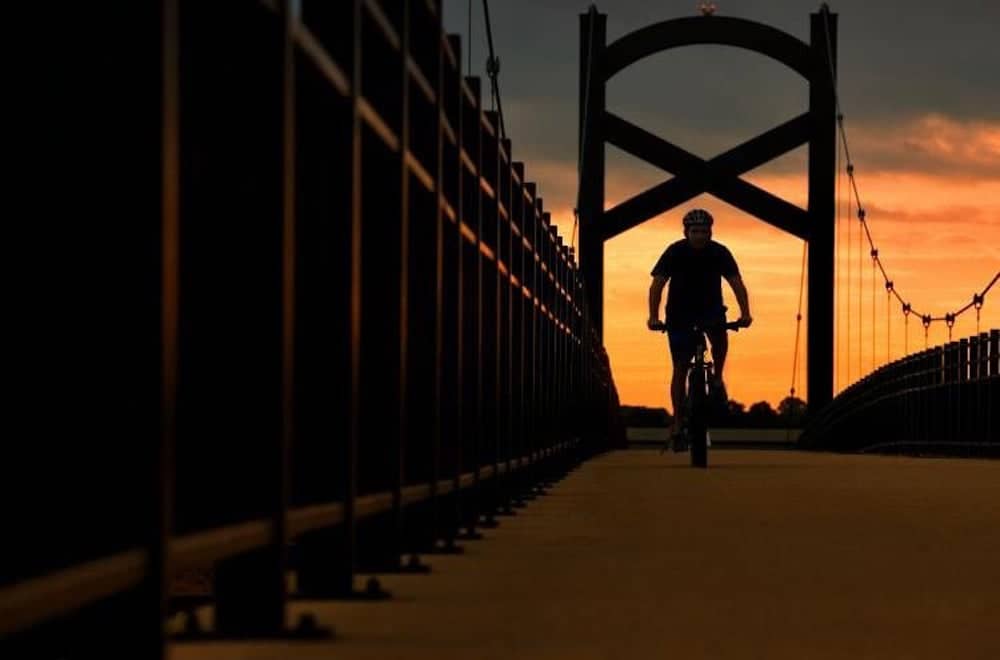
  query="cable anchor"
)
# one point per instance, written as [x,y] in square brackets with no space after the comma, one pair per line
[977,302]
[493,66]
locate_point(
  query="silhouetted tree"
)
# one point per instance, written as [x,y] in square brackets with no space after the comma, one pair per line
[792,410]
[641,416]
[761,415]
[734,416]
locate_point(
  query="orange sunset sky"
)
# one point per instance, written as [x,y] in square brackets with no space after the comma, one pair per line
[925,143]
[939,240]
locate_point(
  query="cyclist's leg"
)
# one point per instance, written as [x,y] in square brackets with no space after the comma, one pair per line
[681,352]
[717,388]
[719,340]
[677,394]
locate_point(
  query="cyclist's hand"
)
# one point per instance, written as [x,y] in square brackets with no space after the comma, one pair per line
[746,320]
[653,323]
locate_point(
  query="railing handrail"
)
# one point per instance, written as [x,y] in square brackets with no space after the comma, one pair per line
[937,376]
[285,145]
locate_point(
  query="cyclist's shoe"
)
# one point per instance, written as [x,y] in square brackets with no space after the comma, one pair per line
[718,399]
[717,393]
[679,441]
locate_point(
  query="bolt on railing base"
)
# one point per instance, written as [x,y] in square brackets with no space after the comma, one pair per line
[373,591]
[445,547]
[306,629]
[489,522]
[470,534]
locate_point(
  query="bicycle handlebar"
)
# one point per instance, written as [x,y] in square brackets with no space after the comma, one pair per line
[728,325]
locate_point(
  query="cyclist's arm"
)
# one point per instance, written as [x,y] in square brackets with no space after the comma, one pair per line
[655,293]
[736,282]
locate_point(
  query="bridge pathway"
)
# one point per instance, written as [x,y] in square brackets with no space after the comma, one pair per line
[768,554]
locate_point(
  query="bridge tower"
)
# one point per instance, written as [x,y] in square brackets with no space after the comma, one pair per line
[719,176]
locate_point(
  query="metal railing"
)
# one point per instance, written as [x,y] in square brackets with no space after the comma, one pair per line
[328,325]
[944,400]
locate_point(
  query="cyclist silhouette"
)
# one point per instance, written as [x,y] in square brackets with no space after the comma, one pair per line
[695,266]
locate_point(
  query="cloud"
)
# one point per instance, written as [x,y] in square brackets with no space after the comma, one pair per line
[929,144]
[918,88]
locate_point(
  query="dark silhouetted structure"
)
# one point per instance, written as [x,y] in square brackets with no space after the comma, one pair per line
[302,311]
[943,400]
[816,62]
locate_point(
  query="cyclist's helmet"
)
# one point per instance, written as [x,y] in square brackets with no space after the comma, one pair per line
[697,218]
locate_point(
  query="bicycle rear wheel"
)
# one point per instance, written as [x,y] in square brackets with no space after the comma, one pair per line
[698,421]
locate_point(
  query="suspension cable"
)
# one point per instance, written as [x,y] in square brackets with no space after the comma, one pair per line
[874,254]
[592,10]
[977,301]
[798,317]
[927,319]
[888,322]
[493,68]
[850,288]
[906,328]
[839,288]
[861,296]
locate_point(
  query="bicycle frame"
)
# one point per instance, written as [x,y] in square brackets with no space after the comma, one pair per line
[695,403]
[695,412]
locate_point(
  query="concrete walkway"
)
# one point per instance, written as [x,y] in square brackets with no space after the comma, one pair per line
[765,555]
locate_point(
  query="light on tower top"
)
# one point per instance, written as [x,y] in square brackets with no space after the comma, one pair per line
[707,8]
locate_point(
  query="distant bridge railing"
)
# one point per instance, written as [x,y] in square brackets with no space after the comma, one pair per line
[298,308]
[944,400]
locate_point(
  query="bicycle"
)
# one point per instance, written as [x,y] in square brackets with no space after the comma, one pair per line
[695,413]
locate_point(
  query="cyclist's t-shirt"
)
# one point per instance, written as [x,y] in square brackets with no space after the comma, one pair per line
[695,280]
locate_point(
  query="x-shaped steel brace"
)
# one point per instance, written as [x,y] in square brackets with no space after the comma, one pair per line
[719,176]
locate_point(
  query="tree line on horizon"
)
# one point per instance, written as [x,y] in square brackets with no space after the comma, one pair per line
[790,413]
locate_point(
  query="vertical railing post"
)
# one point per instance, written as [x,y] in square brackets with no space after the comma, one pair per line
[394,537]
[938,393]
[564,362]
[235,390]
[531,324]
[343,578]
[490,306]
[964,426]
[504,185]
[328,306]
[152,637]
[993,395]
[927,395]
[946,391]
[472,291]
[419,439]
[450,334]
[517,208]
[976,387]
[506,321]
[436,530]
[545,294]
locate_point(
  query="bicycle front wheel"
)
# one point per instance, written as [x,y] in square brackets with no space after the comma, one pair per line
[698,422]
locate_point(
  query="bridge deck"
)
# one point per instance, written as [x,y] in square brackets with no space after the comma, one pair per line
[766,555]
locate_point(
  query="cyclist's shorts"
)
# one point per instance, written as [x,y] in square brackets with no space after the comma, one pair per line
[682,343]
